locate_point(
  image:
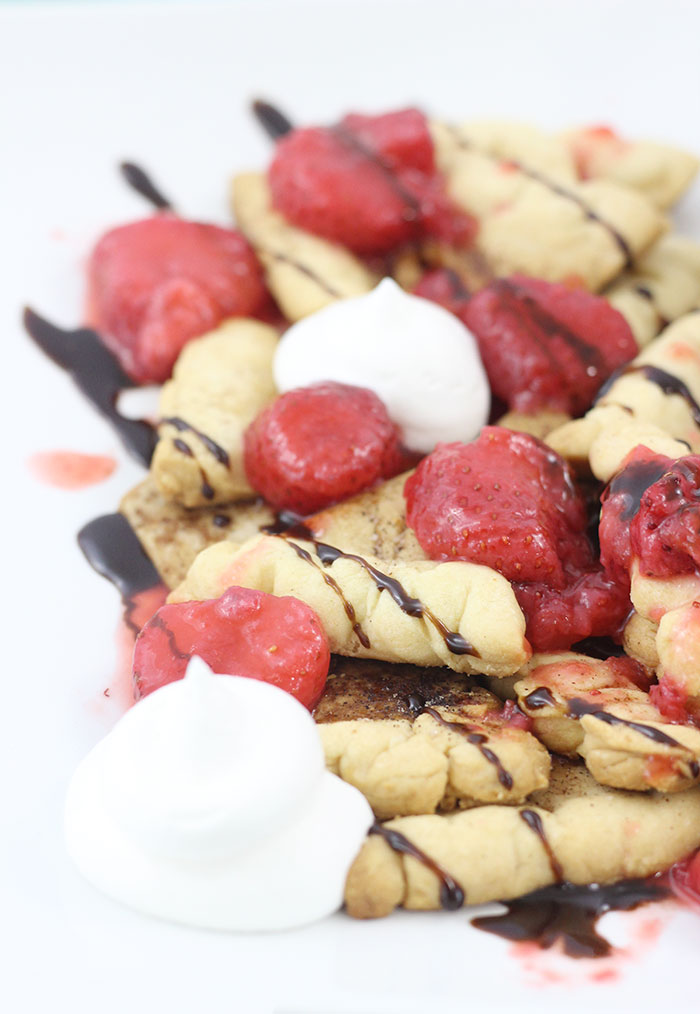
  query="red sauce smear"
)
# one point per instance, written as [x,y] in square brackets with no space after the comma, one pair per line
[71,469]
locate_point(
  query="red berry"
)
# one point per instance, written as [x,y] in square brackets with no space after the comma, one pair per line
[621,502]
[369,183]
[242,633]
[155,284]
[546,345]
[671,699]
[591,605]
[665,533]
[505,501]
[509,502]
[314,446]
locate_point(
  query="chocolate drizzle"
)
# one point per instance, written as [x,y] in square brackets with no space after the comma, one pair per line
[303,269]
[588,354]
[541,697]
[578,707]
[304,554]
[452,896]
[271,119]
[668,383]
[560,191]
[474,737]
[112,549]
[98,375]
[457,644]
[139,180]
[534,822]
[631,484]
[412,211]
[569,912]
[215,449]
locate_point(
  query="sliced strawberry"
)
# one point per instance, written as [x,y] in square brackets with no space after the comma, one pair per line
[509,502]
[546,345]
[155,284]
[369,183]
[316,445]
[242,633]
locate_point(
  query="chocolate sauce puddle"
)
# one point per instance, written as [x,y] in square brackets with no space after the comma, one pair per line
[98,375]
[271,119]
[561,191]
[452,896]
[113,550]
[139,180]
[666,381]
[569,912]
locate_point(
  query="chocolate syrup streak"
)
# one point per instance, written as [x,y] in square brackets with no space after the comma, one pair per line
[569,912]
[452,896]
[304,554]
[184,427]
[472,736]
[457,644]
[139,180]
[579,707]
[98,375]
[111,547]
[534,822]
[666,381]
[632,483]
[540,697]
[587,353]
[412,212]
[561,191]
[271,119]
[302,269]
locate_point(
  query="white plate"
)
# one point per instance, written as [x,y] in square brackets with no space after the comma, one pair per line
[168,85]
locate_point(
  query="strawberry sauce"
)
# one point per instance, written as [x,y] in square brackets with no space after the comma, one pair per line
[71,469]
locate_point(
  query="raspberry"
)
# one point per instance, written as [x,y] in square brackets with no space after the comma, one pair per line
[505,501]
[545,345]
[509,502]
[155,284]
[621,502]
[242,633]
[369,183]
[316,445]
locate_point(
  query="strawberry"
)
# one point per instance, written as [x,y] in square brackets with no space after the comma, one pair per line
[546,345]
[509,502]
[621,502]
[316,445]
[242,633]
[506,501]
[156,283]
[369,183]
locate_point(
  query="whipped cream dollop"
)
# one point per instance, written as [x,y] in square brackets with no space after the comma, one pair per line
[209,804]
[417,357]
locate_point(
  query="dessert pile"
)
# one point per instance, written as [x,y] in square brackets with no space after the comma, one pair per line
[428,460]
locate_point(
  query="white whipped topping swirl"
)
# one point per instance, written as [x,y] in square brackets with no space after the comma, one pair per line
[209,804]
[416,356]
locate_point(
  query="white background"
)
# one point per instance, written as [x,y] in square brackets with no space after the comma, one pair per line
[168,86]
